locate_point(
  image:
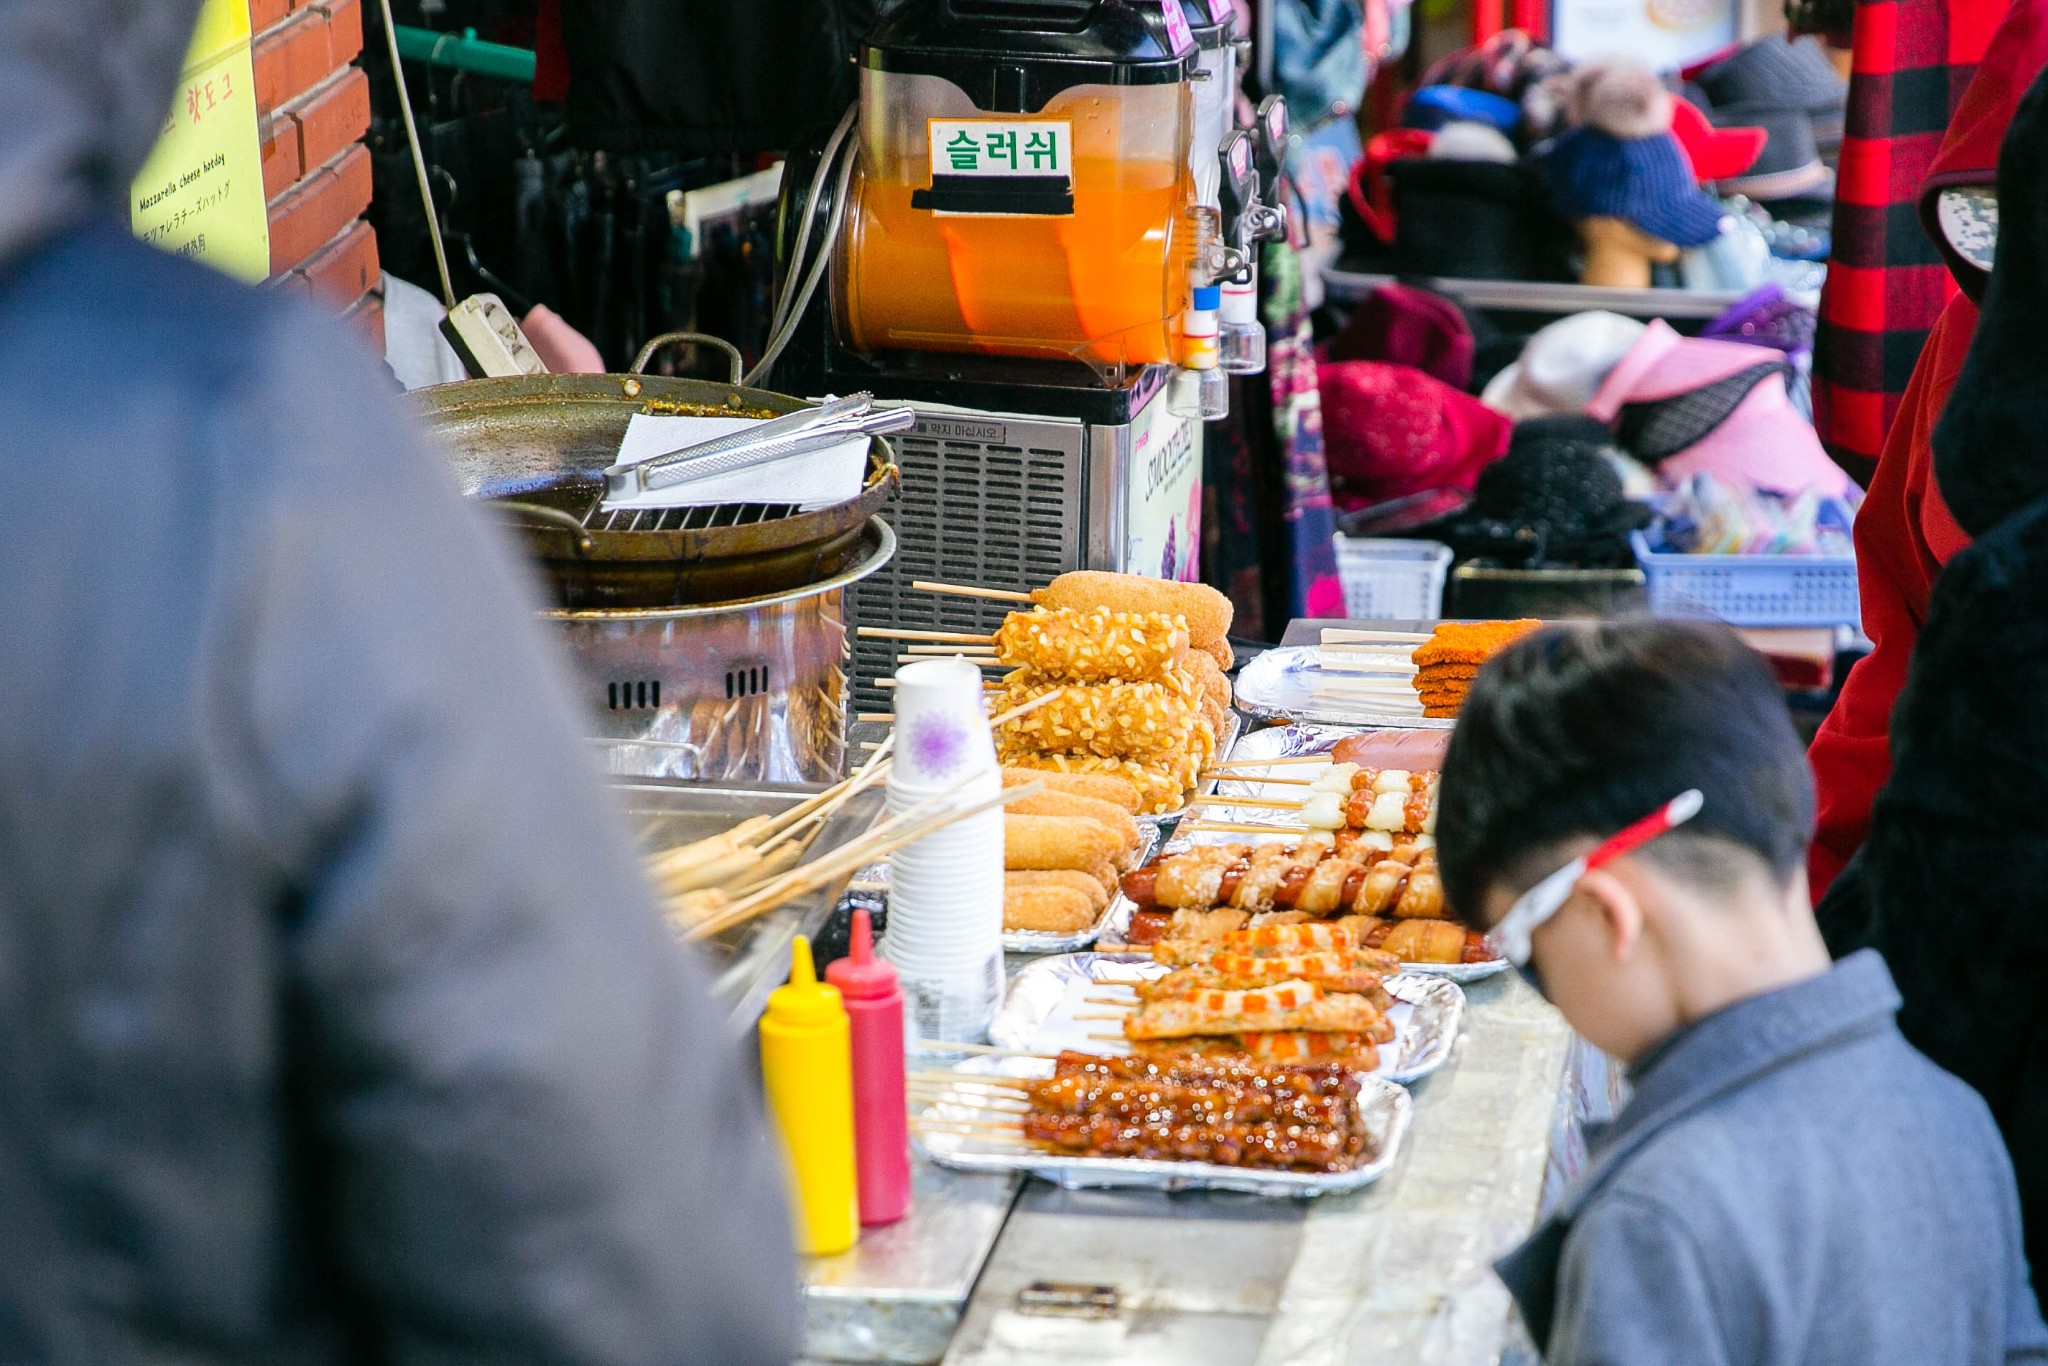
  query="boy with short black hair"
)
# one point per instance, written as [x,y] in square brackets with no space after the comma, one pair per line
[1625,807]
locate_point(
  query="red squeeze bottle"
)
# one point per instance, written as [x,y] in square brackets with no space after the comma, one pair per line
[881,1129]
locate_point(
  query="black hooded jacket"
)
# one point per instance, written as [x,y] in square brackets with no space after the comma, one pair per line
[336,1021]
[1952,884]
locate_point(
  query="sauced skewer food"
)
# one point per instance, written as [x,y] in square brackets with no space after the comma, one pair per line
[1228,1111]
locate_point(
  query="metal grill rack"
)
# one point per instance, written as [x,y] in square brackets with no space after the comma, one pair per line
[974,511]
[684,519]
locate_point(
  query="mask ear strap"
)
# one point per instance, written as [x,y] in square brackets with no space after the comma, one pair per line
[1670,816]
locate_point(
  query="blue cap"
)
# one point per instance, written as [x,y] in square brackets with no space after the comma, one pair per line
[1433,106]
[1208,298]
[1646,181]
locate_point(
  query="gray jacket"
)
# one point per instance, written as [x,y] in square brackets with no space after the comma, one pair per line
[1791,1183]
[336,1022]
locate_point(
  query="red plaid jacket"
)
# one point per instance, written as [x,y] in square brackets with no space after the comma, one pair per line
[1886,282]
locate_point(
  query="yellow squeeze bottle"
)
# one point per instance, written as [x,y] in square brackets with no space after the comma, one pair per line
[807,1070]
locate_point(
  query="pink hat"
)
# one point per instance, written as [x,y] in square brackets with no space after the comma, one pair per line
[1408,326]
[1390,430]
[1693,406]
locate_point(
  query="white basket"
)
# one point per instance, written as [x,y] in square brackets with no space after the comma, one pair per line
[1387,580]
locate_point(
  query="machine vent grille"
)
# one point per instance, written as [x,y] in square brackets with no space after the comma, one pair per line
[643,694]
[997,515]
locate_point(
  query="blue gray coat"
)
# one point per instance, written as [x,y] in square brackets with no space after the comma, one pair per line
[1791,1185]
[336,1022]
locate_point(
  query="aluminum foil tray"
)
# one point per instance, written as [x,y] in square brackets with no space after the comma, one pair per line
[1041,1012]
[1384,1108]
[1119,908]
[1280,686]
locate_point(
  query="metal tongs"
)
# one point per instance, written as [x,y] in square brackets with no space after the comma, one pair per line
[799,433]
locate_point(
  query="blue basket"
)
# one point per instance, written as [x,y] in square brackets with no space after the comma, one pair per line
[1751,590]
[1392,580]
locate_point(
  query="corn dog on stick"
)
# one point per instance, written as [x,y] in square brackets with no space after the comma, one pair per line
[1207,612]
[1096,645]
[1114,720]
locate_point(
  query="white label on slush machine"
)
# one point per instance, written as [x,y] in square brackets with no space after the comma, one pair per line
[1002,147]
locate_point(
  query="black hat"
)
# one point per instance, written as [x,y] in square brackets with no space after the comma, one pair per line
[1789,167]
[1469,220]
[1991,445]
[1792,74]
[1554,498]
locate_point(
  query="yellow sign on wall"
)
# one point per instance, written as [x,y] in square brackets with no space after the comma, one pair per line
[201,192]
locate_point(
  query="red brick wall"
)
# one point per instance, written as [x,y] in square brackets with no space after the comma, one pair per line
[313,107]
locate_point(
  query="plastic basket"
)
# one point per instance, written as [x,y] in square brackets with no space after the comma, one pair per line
[1751,590]
[1386,580]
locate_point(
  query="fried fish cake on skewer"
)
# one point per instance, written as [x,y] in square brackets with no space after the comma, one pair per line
[1290,1005]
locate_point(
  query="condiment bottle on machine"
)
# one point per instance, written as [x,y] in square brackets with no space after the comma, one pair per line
[881,1131]
[807,1070]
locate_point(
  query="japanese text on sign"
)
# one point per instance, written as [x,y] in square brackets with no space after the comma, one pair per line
[991,147]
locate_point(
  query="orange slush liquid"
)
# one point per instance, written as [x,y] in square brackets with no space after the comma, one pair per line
[1095,284]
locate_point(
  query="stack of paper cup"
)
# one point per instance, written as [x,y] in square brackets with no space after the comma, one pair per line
[946,890]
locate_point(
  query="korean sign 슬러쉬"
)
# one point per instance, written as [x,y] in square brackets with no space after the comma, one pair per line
[1000,166]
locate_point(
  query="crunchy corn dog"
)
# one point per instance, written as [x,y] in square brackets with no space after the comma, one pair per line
[1162,784]
[1207,612]
[1114,720]
[1097,645]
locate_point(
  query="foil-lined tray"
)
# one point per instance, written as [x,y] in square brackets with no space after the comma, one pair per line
[1282,742]
[1280,685]
[1384,1109]
[1042,1012]
[1117,908]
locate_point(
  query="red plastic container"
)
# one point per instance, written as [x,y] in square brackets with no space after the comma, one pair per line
[881,1128]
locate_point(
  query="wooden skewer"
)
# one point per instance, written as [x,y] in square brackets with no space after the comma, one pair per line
[911,826]
[1106,1000]
[965,1126]
[1045,698]
[1362,667]
[973,1078]
[1338,635]
[1230,764]
[1255,803]
[1239,828]
[979,1099]
[1110,1038]
[904,633]
[980,1050]
[983,661]
[888,716]
[1218,775]
[963,591]
[1098,1015]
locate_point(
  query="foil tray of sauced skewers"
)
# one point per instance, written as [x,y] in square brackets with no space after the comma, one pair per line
[1082,1120]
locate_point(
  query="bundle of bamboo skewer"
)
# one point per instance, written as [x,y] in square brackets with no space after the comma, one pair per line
[716,884]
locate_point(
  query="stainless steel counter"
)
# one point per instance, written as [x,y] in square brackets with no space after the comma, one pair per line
[1397,1273]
